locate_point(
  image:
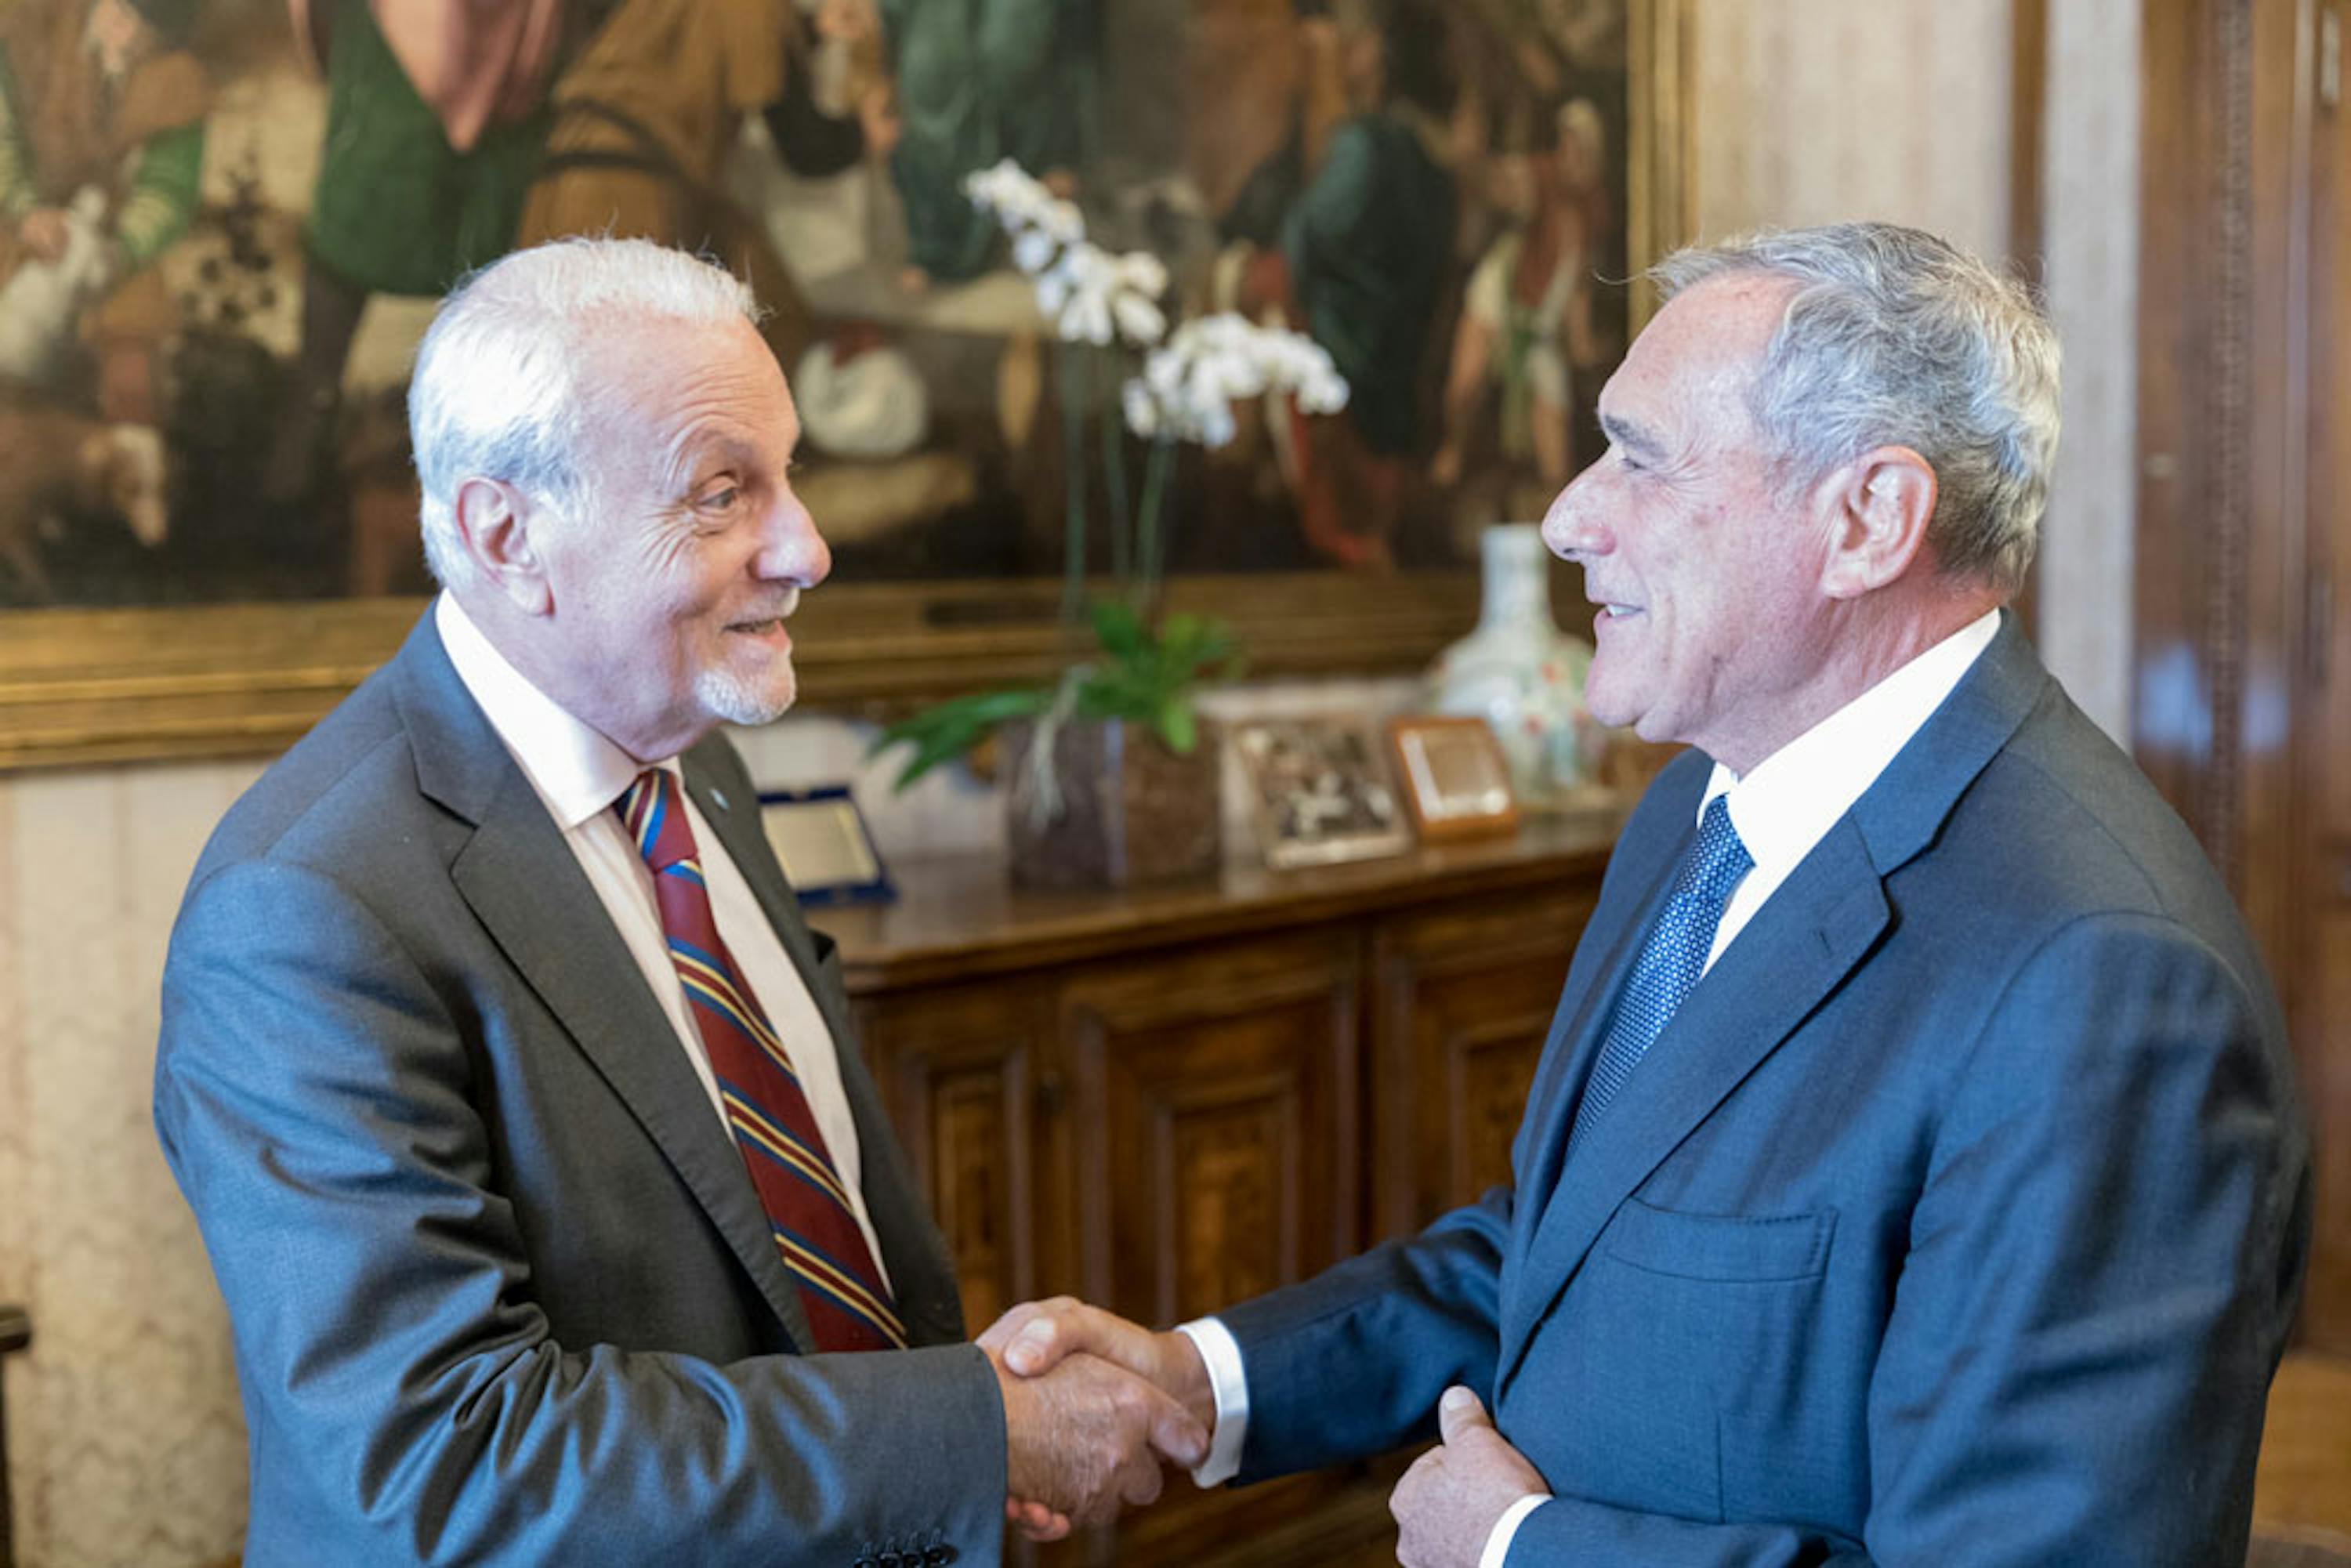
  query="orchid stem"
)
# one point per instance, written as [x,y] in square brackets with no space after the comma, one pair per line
[1113,462]
[1073,542]
[1152,543]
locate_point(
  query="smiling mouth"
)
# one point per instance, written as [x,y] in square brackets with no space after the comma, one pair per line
[1618,611]
[768,627]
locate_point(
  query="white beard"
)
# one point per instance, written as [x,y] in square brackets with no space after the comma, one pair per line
[738,701]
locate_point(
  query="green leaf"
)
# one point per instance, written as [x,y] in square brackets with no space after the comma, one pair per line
[1119,629]
[950,730]
[1181,634]
[1178,725]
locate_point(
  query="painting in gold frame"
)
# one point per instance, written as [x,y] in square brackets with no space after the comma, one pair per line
[142,650]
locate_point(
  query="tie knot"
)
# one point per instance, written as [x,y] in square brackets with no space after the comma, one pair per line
[1718,860]
[649,809]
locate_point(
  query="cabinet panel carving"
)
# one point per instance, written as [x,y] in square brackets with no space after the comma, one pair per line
[1466,999]
[1217,1122]
[1216,1127]
[960,1070]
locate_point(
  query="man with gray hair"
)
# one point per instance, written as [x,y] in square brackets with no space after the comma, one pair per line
[558,1220]
[1914,1172]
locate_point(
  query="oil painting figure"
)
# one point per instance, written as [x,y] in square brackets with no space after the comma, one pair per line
[224,224]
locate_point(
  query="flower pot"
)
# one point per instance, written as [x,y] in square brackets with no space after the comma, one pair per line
[1110,807]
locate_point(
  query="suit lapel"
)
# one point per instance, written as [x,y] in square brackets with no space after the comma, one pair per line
[1809,936]
[1576,1035]
[1792,955]
[524,883]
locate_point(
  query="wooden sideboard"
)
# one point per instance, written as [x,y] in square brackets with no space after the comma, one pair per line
[1170,1099]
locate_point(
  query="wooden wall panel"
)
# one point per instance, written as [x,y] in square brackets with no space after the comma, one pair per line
[2313,856]
[2245,447]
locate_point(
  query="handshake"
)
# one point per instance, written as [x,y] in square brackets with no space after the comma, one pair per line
[1094,1407]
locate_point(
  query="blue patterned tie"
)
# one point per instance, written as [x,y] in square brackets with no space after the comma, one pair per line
[1671,962]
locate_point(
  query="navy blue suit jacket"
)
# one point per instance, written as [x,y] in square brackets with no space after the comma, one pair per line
[1956,1217]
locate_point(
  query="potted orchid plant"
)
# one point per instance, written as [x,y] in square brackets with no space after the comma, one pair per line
[1110,780]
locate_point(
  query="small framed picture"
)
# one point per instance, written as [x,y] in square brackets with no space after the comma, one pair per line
[1322,790]
[827,849]
[1456,780]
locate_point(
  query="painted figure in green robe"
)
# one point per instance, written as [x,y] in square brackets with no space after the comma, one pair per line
[977,81]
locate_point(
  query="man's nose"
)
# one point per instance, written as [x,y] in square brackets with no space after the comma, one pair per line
[793,551]
[1569,528]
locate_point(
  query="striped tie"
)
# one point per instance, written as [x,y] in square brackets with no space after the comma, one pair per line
[848,1306]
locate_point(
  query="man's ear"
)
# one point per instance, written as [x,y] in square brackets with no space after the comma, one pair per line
[1883,502]
[494,524]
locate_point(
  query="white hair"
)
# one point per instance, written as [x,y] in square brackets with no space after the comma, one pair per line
[1895,337]
[496,393]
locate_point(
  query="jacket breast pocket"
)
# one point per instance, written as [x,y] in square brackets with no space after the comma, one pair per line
[1685,1348]
[1725,1248]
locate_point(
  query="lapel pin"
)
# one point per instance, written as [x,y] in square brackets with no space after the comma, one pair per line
[718,798]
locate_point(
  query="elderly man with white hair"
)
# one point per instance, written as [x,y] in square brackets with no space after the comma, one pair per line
[558,1219]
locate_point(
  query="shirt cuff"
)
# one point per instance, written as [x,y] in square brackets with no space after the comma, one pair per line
[1221,1353]
[1497,1543]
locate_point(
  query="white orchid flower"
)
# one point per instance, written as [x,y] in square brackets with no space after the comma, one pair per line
[1142,410]
[1033,250]
[1008,190]
[1092,297]
[1041,224]
[1188,388]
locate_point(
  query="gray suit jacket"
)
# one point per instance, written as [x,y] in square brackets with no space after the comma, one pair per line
[500,1287]
[1956,1217]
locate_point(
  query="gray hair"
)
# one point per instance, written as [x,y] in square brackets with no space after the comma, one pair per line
[495,392]
[1895,337]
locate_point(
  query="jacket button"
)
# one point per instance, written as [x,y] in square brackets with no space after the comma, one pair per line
[938,1557]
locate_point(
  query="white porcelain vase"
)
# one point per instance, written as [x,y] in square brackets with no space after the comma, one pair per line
[1519,671]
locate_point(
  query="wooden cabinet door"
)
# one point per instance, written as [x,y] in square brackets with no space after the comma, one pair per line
[1463,997]
[1214,1116]
[1214,1120]
[971,1077]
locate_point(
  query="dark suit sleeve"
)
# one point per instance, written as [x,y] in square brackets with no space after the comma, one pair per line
[316,1100]
[2098,1276]
[1393,1328]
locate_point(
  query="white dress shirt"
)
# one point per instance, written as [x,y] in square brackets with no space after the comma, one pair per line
[578,774]
[1781,809]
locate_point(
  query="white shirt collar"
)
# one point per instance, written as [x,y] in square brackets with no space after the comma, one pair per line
[1795,795]
[575,769]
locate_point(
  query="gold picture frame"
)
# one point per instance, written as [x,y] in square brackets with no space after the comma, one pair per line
[88,686]
[1454,777]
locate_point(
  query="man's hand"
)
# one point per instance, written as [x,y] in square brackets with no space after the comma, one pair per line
[1033,1339]
[1036,1335]
[1448,1503]
[1084,1437]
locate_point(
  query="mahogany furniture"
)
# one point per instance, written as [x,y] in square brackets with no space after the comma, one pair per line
[1166,1100]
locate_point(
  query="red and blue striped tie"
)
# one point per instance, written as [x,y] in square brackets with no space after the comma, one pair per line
[848,1306]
